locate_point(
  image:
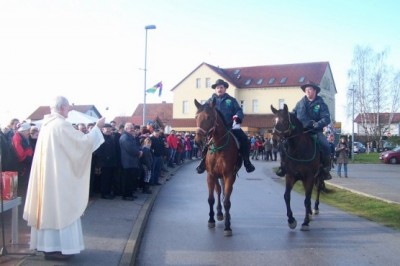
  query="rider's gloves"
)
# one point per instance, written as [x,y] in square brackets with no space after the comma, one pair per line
[236,122]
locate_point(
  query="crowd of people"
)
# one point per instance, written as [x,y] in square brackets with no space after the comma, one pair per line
[263,148]
[74,162]
[109,176]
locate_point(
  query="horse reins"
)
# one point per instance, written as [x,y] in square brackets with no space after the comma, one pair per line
[289,130]
[210,143]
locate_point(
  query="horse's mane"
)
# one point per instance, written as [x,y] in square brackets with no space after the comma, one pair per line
[208,106]
[296,121]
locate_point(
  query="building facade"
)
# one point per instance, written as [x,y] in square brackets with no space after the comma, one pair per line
[256,89]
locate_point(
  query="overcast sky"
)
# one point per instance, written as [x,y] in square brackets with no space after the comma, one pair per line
[92,52]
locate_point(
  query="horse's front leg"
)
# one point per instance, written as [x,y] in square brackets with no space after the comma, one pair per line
[211,200]
[320,185]
[228,188]
[307,205]
[220,215]
[292,223]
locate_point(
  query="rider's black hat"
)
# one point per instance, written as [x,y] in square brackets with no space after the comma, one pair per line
[220,82]
[310,84]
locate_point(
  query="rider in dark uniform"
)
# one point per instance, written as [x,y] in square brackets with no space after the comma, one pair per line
[314,114]
[233,117]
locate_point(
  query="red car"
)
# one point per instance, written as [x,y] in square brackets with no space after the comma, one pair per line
[392,156]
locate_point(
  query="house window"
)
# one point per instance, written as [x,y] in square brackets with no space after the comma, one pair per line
[242,105]
[260,81]
[255,106]
[301,79]
[237,71]
[198,83]
[283,80]
[248,82]
[281,103]
[271,81]
[208,83]
[185,107]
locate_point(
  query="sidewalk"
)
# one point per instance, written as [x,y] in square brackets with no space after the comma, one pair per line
[110,228]
[380,181]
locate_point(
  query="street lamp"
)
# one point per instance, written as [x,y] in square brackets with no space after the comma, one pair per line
[352,128]
[148,27]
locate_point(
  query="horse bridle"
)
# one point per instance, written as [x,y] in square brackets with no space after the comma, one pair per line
[207,132]
[287,131]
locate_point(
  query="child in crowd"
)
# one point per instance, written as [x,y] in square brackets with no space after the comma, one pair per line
[147,163]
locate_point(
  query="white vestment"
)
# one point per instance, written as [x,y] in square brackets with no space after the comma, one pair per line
[58,188]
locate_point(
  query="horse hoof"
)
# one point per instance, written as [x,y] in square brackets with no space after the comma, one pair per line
[211,225]
[305,228]
[292,225]
[227,232]
[316,212]
[220,217]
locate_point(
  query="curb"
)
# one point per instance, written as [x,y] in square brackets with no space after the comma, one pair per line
[131,249]
[362,193]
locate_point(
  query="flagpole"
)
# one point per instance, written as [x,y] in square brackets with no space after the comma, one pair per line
[148,27]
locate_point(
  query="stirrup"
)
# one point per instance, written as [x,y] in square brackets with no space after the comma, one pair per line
[201,168]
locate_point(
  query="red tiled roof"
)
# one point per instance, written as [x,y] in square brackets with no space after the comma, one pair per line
[383,117]
[294,75]
[41,111]
[153,110]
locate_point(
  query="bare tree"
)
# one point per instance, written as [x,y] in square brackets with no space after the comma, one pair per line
[376,91]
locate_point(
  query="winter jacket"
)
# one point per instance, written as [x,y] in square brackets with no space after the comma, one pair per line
[316,110]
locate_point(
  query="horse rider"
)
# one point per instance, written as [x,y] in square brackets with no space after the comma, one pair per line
[233,116]
[314,114]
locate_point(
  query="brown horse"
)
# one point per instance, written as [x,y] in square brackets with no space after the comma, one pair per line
[302,162]
[222,160]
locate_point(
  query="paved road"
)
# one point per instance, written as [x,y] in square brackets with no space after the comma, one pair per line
[112,229]
[177,232]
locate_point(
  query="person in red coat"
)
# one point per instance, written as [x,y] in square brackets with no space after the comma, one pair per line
[172,142]
[24,152]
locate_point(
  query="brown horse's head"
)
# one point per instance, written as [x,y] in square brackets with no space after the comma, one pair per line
[205,121]
[285,123]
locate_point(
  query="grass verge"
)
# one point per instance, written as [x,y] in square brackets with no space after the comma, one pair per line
[387,214]
[372,157]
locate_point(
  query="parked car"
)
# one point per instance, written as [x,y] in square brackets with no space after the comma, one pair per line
[392,156]
[387,146]
[358,147]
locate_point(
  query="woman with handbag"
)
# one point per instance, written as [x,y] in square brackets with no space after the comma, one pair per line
[342,152]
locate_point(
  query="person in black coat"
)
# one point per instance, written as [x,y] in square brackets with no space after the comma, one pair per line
[147,164]
[107,161]
[130,159]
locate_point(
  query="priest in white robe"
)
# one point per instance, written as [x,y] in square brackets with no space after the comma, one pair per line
[58,189]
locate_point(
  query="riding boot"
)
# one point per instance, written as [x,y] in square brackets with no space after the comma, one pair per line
[202,166]
[246,159]
[326,167]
